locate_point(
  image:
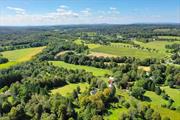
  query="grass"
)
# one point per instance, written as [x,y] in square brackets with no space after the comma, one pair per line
[95,71]
[155,99]
[169,37]
[174,94]
[158,45]
[69,88]
[156,102]
[91,46]
[125,51]
[116,113]
[18,56]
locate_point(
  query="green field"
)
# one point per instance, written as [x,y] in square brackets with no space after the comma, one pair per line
[169,37]
[69,88]
[20,55]
[125,51]
[158,45]
[155,99]
[174,94]
[95,71]
[91,46]
[115,113]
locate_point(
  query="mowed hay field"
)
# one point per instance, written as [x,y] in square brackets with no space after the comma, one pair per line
[158,45]
[122,49]
[67,89]
[95,71]
[20,55]
[125,51]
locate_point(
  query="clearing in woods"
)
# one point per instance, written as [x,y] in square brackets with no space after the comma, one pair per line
[69,88]
[95,71]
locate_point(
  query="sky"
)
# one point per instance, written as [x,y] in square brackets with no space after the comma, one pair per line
[62,12]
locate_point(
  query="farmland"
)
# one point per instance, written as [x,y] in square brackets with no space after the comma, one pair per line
[123,51]
[158,45]
[21,55]
[103,72]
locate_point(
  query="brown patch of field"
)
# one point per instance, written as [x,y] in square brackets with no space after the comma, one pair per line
[63,52]
[147,69]
[98,54]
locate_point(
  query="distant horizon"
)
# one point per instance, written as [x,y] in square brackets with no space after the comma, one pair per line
[168,23]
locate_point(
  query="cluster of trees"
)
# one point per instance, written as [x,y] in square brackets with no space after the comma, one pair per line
[50,53]
[24,93]
[43,74]
[3,60]
[175,48]
[138,81]
[141,112]
[28,83]
[102,62]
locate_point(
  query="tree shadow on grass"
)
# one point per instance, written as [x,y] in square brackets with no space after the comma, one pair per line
[146,98]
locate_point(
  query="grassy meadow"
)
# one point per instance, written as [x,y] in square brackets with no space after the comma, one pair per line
[20,55]
[125,51]
[174,94]
[158,45]
[95,71]
[65,90]
[169,37]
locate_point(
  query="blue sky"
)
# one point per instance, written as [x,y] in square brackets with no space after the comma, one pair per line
[57,12]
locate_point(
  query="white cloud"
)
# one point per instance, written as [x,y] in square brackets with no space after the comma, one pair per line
[63,6]
[64,11]
[18,11]
[86,12]
[112,8]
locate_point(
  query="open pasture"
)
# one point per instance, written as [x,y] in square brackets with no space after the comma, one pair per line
[174,94]
[95,71]
[69,88]
[127,51]
[21,55]
[158,45]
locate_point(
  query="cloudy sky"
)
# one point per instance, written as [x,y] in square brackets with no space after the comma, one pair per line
[58,12]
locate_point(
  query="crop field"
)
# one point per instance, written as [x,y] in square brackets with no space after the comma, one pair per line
[124,51]
[21,55]
[69,88]
[95,71]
